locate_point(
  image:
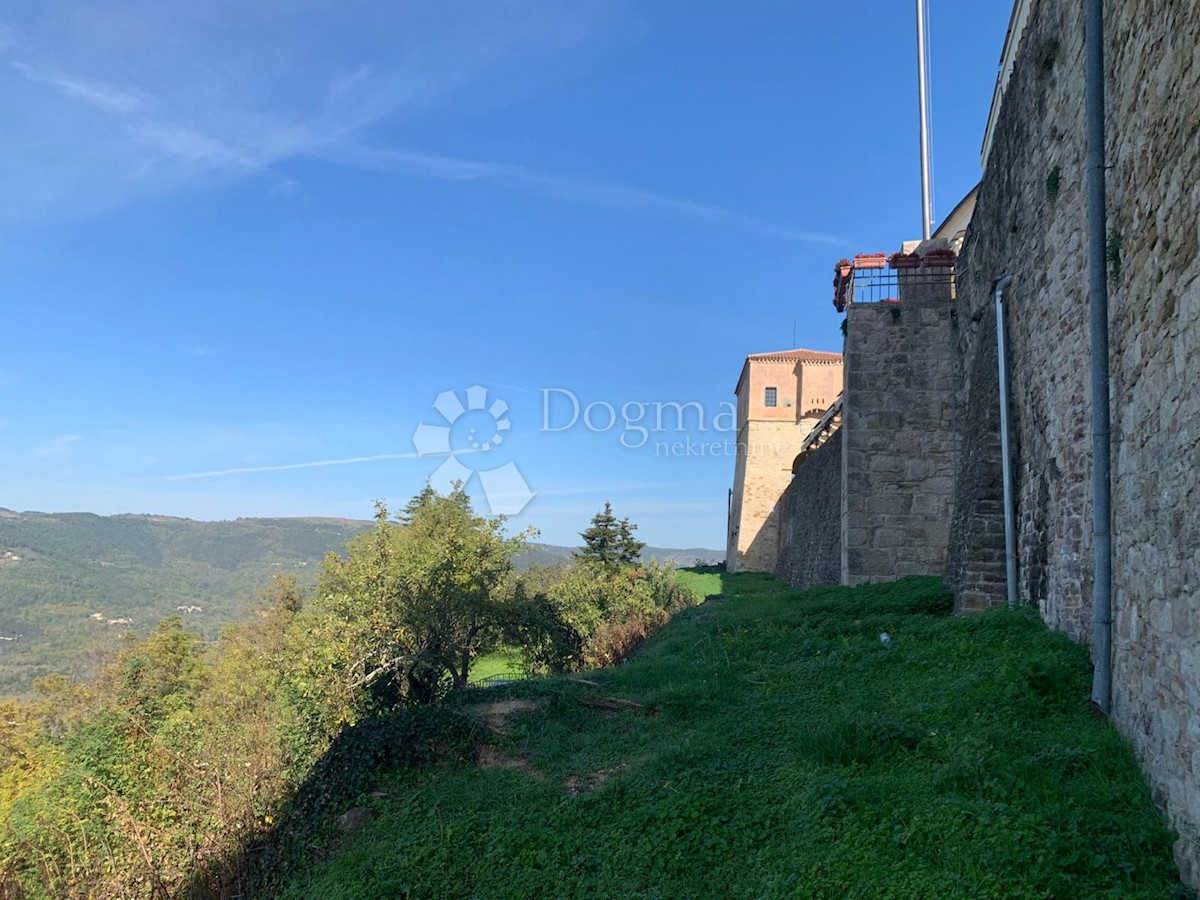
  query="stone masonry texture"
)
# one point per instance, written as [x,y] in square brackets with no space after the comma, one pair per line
[898,437]
[975,565]
[1030,222]
[810,520]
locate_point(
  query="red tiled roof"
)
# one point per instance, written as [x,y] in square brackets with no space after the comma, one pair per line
[809,356]
[822,357]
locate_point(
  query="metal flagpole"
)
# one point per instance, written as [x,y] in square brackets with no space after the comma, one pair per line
[926,203]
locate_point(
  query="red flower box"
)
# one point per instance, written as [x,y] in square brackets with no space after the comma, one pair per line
[904,261]
[870,261]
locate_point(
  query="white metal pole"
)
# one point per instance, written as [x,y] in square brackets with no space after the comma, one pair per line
[922,87]
[1010,526]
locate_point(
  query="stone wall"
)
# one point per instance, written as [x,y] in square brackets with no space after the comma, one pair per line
[975,567]
[1154,210]
[898,439]
[810,520]
[1030,223]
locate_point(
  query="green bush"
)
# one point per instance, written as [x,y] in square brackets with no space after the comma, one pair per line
[596,615]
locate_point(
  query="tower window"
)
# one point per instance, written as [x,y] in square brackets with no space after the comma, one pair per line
[771,397]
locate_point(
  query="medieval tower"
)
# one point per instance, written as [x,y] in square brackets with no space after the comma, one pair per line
[780,397]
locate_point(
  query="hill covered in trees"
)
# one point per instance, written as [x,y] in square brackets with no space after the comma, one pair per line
[72,583]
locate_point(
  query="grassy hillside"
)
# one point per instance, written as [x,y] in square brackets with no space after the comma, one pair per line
[780,749]
[65,576]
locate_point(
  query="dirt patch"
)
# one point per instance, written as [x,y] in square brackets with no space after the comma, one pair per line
[585,784]
[495,716]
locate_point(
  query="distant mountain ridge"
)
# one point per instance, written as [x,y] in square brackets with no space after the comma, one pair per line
[71,583]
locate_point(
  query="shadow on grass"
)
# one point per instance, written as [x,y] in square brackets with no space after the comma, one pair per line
[347,771]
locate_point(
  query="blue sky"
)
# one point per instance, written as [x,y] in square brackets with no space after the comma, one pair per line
[247,245]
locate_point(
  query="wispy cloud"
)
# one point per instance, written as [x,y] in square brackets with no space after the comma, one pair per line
[574,190]
[287,467]
[57,446]
[106,97]
[103,108]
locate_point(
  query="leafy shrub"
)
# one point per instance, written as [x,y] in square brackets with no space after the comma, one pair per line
[614,641]
[596,615]
[547,642]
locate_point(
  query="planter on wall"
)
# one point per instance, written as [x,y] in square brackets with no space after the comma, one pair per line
[905,261]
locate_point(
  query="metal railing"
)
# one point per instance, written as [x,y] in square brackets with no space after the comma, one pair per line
[936,280]
[826,425]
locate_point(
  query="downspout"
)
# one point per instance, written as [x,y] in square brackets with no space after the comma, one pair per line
[1097,214]
[1010,527]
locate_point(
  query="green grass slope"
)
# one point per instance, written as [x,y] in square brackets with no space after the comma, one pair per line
[780,750]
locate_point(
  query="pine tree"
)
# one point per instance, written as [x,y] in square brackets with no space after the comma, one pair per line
[610,541]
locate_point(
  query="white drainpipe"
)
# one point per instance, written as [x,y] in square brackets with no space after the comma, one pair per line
[1010,525]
